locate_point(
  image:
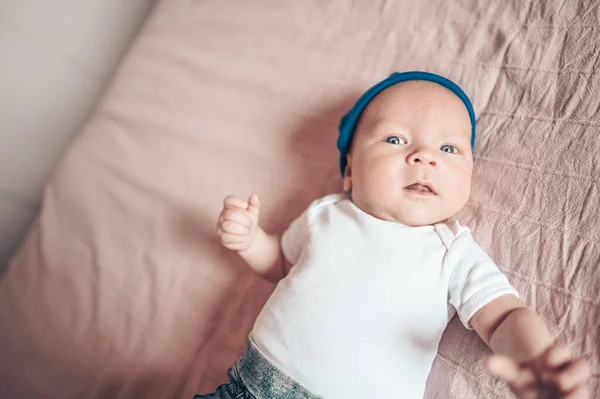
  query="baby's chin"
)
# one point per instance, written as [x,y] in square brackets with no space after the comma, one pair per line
[408,213]
[416,221]
[413,217]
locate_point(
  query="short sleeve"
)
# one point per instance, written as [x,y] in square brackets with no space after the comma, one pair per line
[294,238]
[475,279]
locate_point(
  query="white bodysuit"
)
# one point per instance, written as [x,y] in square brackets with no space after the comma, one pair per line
[362,311]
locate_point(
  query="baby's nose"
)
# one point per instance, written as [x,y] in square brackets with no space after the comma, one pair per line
[422,158]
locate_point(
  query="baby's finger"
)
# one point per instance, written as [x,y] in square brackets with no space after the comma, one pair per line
[236,215]
[227,238]
[580,393]
[233,202]
[253,204]
[556,356]
[572,376]
[234,228]
[509,370]
[237,246]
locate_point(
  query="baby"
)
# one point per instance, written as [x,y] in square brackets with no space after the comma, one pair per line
[369,279]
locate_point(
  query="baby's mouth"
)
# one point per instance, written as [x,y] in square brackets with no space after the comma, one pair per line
[420,187]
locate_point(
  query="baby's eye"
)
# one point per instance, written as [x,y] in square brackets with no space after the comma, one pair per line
[449,148]
[395,140]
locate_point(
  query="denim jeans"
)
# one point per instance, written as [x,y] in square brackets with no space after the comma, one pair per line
[254,376]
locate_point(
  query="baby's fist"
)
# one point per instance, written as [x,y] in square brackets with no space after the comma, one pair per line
[556,373]
[238,222]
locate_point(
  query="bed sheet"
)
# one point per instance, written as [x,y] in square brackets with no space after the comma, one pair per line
[121,289]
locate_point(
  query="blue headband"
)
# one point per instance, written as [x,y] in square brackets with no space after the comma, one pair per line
[350,120]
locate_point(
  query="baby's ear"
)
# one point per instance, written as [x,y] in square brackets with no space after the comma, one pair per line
[347,179]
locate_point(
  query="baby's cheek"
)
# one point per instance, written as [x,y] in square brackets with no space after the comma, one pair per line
[458,188]
[462,191]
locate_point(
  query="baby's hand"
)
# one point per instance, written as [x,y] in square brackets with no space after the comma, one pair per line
[553,374]
[238,222]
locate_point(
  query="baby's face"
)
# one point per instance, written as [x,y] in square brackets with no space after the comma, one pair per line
[411,160]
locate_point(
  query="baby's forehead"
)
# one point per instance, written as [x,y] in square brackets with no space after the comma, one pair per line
[405,101]
[416,90]
[413,93]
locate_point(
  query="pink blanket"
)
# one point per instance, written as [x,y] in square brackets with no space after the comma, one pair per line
[121,289]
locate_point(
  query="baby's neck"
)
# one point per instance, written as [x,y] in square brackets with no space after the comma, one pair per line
[450,221]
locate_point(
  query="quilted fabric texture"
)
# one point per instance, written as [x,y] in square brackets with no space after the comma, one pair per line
[121,289]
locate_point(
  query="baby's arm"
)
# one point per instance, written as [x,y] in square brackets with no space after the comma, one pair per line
[239,230]
[510,328]
[526,356]
[264,256]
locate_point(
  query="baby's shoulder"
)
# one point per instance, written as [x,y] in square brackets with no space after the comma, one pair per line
[318,205]
[453,231]
[328,200]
